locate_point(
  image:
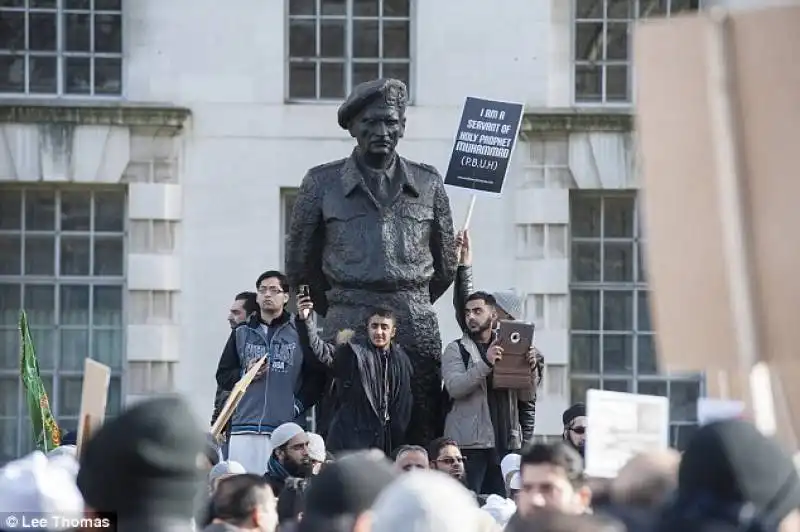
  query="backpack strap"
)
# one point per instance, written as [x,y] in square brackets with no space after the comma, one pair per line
[465,356]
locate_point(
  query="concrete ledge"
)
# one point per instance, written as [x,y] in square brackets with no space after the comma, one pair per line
[537,121]
[167,119]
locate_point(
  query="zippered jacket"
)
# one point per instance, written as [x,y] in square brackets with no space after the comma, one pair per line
[284,392]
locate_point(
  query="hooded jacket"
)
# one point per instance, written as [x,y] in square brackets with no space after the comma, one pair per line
[284,392]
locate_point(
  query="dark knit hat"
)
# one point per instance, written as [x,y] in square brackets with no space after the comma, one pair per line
[576,410]
[349,486]
[732,463]
[144,462]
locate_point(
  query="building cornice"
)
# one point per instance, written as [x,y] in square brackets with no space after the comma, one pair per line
[167,119]
[572,120]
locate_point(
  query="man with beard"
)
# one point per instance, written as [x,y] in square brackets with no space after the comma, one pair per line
[575,421]
[289,458]
[372,379]
[485,421]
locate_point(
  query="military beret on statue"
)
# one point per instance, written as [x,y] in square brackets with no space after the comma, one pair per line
[392,91]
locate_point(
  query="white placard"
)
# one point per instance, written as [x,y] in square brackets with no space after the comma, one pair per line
[622,425]
[710,410]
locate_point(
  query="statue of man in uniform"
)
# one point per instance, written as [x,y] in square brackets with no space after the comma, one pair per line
[375,229]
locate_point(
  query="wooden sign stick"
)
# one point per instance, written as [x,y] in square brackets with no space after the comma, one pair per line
[467,220]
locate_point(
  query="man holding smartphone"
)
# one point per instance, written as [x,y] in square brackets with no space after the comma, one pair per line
[283,388]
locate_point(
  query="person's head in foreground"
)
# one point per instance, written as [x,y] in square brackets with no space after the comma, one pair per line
[141,467]
[552,479]
[731,477]
[38,487]
[339,497]
[575,425]
[647,480]
[245,502]
[223,470]
[316,452]
[411,457]
[445,456]
[553,521]
[291,450]
[427,501]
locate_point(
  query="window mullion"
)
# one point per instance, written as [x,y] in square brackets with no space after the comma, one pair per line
[91,48]
[380,38]
[348,47]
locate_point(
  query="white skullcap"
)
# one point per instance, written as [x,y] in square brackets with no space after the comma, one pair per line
[226,468]
[284,433]
[500,508]
[40,487]
[426,501]
[510,463]
[316,447]
[516,481]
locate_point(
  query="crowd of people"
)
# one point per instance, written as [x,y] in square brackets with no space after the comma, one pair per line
[152,469]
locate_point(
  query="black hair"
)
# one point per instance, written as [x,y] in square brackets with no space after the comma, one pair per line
[403,449]
[237,496]
[550,521]
[486,297]
[292,501]
[436,446]
[381,312]
[282,279]
[557,454]
[250,305]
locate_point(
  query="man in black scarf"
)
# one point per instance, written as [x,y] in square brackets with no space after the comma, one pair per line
[372,378]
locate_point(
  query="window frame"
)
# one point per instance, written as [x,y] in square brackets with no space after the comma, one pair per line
[56,374]
[574,62]
[348,59]
[634,287]
[60,54]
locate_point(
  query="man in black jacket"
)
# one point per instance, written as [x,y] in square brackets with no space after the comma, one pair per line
[372,379]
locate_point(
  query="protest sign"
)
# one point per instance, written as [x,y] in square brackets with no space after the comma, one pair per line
[484,143]
[717,120]
[711,410]
[235,397]
[94,397]
[622,425]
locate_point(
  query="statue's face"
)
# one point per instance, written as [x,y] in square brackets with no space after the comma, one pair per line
[378,128]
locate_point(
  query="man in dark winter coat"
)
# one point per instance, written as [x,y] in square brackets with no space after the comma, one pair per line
[373,396]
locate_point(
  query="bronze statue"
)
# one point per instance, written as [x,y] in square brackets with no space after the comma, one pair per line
[375,229]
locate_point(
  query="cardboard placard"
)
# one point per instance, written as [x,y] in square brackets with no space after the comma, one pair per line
[235,396]
[484,144]
[717,122]
[94,398]
[622,425]
[711,410]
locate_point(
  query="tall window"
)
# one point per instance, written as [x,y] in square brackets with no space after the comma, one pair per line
[611,334]
[61,47]
[337,44]
[62,260]
[602,44]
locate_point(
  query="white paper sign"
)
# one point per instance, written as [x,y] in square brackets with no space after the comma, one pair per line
[622,425]
[710,410]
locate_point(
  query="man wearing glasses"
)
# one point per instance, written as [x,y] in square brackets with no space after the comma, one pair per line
[446,457]
[281,391]
[574,420]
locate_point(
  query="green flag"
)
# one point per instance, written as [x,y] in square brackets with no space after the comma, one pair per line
[45,430]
